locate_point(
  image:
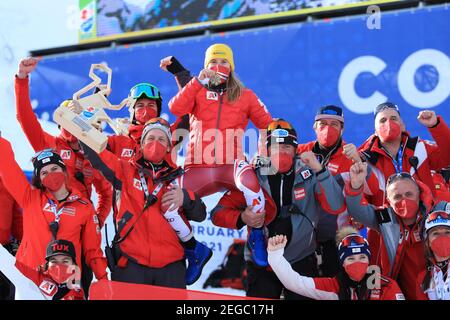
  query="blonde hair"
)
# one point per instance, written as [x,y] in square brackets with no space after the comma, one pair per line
[343,232]
[234,87]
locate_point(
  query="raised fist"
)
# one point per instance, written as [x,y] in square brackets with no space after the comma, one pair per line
[428,118]
[26,66]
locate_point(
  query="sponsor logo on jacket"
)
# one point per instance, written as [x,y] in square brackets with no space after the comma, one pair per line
[211,95]
[137,184]
[127,153]
[65,154]
[299,193]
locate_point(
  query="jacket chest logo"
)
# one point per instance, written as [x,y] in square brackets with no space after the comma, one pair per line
[137,184]
[127,153]
[70,211]
[306,174]
[299,193]
[211,95]
[333,167]
[65,154]
[47,287]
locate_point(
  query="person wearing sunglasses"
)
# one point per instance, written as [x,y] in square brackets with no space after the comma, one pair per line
[337,155]
[152,233]
[353,281]
[434,281]
[401,248]
[391,149]
[145,103]
[51,210]
[59,277]
[296,189]
[81,174]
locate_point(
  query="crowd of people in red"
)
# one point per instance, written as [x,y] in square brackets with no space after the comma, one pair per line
[299,202]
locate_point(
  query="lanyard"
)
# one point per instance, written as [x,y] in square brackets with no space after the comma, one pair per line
[54,225]
[149,200]
[398,165]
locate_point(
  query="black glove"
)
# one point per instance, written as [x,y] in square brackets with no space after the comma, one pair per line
[175,67]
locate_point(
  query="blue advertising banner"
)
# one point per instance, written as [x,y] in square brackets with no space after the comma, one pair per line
[294,68]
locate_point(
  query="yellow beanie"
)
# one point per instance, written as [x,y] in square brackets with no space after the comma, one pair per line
[219,51]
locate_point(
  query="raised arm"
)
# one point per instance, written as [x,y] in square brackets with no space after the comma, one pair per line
[37,137]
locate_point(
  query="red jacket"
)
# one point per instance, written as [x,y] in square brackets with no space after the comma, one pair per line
[49,288]
[442,188]
[10,217]
[430,156]
[152,242]
[213,119]
[74,160]
[78,224]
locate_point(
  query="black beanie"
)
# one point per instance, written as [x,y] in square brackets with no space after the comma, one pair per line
[46,157]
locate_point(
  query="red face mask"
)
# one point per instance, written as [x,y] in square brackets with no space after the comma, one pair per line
[60,273]
[154,152]
[406,208]
[142,115]
[282,161]
[135,131]
[53,181]
[70,138]
[222,71]
[441,246]
[389,131]
[356,270]
[328,136]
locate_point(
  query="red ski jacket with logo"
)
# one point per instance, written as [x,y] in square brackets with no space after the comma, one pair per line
[78,221]
[217,126]
[152,241]
[428,155]
[49,288]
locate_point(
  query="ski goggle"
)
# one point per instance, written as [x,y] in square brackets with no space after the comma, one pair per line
[279,124]
[353,240]
[437,215]
[159,121]
[399,175]
[385,106]
[147,89]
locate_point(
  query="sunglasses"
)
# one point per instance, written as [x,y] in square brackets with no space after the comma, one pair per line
[159,121]
[378,109]
[279,124]
[147,89]
[399,175]
[330,111]
[437,215]
[352,240]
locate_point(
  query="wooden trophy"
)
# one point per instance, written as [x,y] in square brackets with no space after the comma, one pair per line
[83,125]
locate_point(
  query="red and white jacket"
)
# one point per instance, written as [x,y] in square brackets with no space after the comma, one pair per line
[48,287]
